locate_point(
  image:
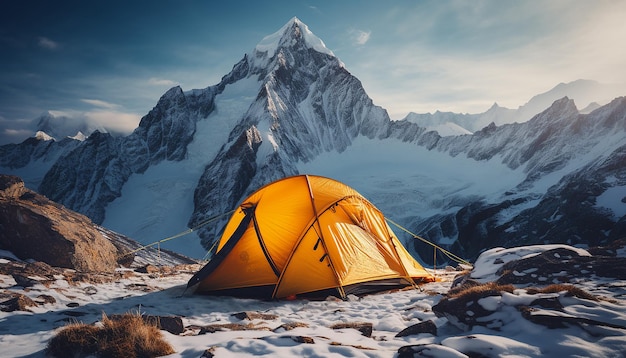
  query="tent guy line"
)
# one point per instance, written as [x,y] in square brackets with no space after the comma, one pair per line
[447,253]
[183,233]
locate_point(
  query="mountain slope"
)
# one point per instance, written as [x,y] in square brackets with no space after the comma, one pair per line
[570,161]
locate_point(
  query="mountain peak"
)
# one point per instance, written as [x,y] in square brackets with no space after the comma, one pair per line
[43,136]
[293,31]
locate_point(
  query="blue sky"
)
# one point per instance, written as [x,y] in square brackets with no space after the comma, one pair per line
[110,61]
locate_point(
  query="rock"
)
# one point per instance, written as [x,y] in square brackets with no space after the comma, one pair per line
[148,269]
[463,309]
[34,227]
[90,290]
[422,327]
[290,326]
[27,274]
[208,353]
[23,281]
[45,299]
[364,327]
[172,324]
[429,350]
[212,328]
[254,315]
[11,187]
[471,303]
[552,320]
[302,339]
[560,265]
[17,302]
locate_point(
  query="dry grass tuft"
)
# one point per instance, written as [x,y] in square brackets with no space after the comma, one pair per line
[126,336]
[559,287]
[479,291]
[75,340]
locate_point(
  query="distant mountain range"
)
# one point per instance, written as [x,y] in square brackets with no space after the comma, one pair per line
[586,93]
[545,172]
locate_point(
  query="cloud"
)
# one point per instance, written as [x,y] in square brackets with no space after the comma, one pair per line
[462,57]
[11,135]
[161,82]
[113,121]
[360,37]
[47,44]
[99,103]
[68,122]
[14,131]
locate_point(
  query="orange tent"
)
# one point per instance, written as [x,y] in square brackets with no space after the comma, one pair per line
[307,235]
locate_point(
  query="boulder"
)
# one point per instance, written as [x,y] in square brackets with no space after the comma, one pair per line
[560,265]
[34,227]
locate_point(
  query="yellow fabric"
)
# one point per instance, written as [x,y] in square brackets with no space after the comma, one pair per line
[308,269]
[244,266]
[319,234]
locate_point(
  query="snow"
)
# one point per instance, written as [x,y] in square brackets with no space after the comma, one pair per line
[490,261]
[614,200]
[27,333]
[33,173]
[270,43]
[156,195]
[490,303]
[268,145]
[159,202]
[79,136]
[212,132]
[493,346]
[41,135]
[448,129]
[404,180]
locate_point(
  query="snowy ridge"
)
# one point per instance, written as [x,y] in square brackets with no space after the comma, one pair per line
[588,95]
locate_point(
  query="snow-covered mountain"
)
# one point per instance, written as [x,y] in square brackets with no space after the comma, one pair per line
[587,94]
[290,106]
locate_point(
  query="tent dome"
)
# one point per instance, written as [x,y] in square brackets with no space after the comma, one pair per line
[307,235]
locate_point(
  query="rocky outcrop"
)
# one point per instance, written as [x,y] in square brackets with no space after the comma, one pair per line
[33,227]
[540,287]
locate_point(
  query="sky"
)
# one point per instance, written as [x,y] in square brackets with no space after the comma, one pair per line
[108,62]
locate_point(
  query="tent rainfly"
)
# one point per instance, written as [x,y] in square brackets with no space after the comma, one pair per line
[307,235]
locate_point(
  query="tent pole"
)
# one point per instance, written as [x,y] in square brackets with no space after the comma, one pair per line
[340,289]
